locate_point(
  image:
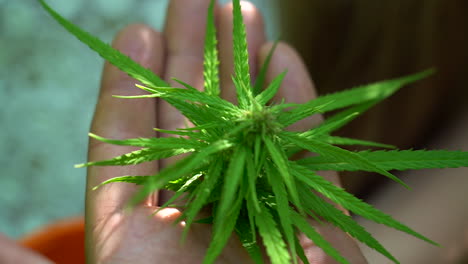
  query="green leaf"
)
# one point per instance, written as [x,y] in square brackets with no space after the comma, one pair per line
[300,251]
[328,126]
[362,94]
[188,183]
[271,90]
[257,149]
[211,62]
[251,212]
[312,234]
[352,141]
[201,116]
[241,58]
[282,106]
[251,178]
[271,235]
[179,169]
[186,94]
[244,232]
[154,143]
[186,85]
[185,183]
[138,180]
[232,179]
[197,113]
[206,126]
[223,228]
[137,157]
[206,220]
[181,186]
[348,201]
[337,121]
[394,160]
[262,176]
[280,160]
[238,129]
[170,203]
[336,217]
[283,209]
[191,135]
[290,117]
[321,132]
[347,115]
[202,193]
[340,154]
[110,54]
[260,81]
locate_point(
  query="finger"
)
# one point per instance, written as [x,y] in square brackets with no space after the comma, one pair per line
[297,86]
[185,35]
[11,252]
[255,30]
[340,240]
[122,118]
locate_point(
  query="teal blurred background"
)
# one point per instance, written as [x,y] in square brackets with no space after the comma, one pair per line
[48,87]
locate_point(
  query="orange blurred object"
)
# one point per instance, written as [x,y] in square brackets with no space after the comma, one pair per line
[61,241]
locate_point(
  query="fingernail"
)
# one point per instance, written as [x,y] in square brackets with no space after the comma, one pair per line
[140,43]
[131,41]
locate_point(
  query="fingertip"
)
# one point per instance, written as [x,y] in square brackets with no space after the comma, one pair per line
[297,80]
[136,39]
[142,44]
[297,86]
[168,215]
[185,27]
[285,57]
[248,9]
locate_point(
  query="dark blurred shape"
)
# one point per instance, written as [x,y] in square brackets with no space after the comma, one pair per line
[348,43]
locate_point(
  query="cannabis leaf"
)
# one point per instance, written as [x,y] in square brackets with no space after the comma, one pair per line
[237,158]
[211,62]
[395,160]
[241,77]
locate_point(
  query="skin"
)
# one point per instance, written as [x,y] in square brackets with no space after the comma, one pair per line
[113,234]
[11,253]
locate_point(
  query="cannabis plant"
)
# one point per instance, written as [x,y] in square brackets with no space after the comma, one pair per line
[238,156]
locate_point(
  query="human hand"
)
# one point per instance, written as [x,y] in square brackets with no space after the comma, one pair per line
[116,236]
[11,253]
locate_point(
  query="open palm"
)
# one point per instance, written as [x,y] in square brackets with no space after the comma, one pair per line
[115,235]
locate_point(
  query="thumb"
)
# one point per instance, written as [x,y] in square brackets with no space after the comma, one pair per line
[11,252]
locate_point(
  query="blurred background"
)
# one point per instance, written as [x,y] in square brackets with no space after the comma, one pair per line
[49,83]
[347,43]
